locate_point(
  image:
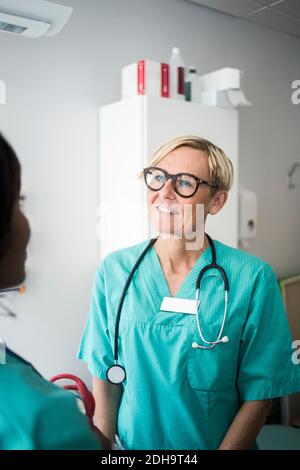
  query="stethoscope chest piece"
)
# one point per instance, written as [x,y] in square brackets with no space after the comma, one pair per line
[116,374]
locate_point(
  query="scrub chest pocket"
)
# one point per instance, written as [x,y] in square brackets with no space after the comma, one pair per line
[213,369]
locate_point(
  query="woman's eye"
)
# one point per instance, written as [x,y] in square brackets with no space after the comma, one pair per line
[159,178]
[185,184]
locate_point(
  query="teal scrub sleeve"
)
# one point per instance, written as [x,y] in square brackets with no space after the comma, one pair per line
[61,426]
[95,348]
[266,369]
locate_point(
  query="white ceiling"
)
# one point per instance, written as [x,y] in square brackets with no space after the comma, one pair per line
[282,15]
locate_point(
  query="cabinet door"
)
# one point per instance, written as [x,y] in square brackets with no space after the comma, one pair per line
[167,118]
[121,215]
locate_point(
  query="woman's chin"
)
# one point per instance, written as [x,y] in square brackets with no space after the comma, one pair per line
[167,235]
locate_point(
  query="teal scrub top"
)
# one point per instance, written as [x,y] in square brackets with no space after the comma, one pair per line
[174,396]
[38,415]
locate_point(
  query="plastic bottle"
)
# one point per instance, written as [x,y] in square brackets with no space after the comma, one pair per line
[177,72]
[188,84]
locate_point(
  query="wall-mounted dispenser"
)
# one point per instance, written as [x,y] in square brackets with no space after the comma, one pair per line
[247,217]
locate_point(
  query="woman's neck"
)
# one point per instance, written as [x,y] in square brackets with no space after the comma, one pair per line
[174,255]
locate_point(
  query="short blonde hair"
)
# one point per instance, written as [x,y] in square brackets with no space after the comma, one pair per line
[220,166]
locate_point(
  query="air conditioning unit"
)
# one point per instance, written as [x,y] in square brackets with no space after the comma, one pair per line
[33,18]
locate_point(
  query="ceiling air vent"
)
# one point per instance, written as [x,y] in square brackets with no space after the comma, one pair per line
[12,28]
[23,26]
[33,18]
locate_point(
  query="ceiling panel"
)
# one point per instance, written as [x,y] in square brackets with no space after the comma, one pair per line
[232,7]
[282,15]
[266,2]
[276,20]
[292,7]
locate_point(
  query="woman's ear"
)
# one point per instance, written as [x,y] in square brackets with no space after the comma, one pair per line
[218,202]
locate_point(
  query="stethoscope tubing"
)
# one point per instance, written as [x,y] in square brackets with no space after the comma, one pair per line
[132,272]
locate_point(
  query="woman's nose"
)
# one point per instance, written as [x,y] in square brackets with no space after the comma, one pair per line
[168,190]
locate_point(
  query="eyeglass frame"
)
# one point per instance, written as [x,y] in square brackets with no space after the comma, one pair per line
[199,181]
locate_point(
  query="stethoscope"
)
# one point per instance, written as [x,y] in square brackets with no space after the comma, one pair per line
[116,374]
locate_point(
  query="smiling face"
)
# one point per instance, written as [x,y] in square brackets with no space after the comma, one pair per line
[174,215]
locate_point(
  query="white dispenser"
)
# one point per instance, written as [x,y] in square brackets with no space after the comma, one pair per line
[247,217]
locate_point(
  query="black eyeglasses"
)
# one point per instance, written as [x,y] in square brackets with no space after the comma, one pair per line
[184,184]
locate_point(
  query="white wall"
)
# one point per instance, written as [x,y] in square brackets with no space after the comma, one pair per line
[54,88]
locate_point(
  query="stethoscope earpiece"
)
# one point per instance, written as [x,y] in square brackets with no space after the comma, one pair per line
[225,339]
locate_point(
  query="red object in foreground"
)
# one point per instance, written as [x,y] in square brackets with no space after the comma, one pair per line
[80,387]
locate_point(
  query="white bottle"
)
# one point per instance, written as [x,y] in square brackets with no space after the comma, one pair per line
[176,75]
[190,84]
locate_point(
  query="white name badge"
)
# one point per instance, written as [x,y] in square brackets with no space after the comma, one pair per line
[173,304]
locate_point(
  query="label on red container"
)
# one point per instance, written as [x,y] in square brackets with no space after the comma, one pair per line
[165,91]
[180,80]
[141,78]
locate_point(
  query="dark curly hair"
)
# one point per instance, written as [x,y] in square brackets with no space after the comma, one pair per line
[10,182]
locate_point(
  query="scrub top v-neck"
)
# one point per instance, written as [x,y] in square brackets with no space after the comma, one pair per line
[158,280]
[174,396]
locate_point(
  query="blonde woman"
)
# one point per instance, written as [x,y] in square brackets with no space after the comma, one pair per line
[187,342]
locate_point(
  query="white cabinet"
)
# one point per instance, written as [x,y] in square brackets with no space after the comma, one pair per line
[130,132]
